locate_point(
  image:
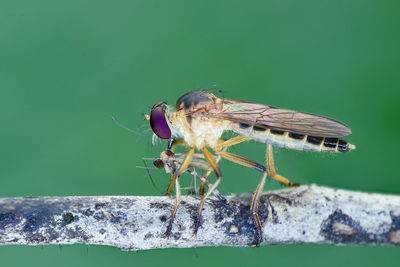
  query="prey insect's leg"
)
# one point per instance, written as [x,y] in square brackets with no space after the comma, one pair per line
[210,159]
[185,164]
[271,168]
[205,181]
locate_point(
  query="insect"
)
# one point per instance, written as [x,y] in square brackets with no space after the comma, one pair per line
[200,118]
[172,162]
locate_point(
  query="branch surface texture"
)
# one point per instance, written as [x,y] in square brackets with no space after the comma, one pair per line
[307,214]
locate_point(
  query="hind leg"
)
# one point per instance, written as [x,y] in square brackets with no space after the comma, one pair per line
[271,169]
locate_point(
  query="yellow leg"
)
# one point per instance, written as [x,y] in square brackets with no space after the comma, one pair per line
[177,203]
[185,164]
[171,185]
[233,141]
[241,160]
[271,169]
[210,159]
[254,210]
[257,194]
[176,142]
[205,177]
[203,183]
[223,145]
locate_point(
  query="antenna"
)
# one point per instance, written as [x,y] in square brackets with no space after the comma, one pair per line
[124,127]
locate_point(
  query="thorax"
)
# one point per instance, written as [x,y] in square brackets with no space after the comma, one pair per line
[198,131]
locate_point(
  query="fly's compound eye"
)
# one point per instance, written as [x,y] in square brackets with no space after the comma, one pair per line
[158,122]
[158,163]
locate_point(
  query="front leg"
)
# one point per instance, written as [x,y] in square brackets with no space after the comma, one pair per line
[172,143]
[175,179]
[210,159]
[177,202]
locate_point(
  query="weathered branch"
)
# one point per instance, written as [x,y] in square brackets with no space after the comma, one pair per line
[307,214]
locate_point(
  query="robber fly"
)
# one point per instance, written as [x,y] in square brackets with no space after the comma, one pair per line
[200,119]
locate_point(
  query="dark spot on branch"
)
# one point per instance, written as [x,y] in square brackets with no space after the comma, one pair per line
[39,224]
[239,218]
[8,218]
[176,235]
[223,210]
[88,212]
[197,221]
[37,219]
[341,228]
[100,205]
[181,227]
[77,233]
[394,232]
[161,206]
[100,216]
[118,217]
[68,218]
[148,235]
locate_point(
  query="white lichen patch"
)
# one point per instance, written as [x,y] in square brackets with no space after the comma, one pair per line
[394,236]
[341,228]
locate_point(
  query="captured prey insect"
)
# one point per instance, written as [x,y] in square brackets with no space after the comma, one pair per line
[172,162]
[201,118]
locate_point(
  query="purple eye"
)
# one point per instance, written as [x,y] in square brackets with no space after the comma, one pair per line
[158,122]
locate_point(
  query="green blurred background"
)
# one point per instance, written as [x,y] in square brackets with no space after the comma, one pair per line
[66,67]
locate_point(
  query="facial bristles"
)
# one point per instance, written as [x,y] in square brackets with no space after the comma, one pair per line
[154,139]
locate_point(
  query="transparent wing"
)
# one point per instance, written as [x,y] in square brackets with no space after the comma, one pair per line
[281,119]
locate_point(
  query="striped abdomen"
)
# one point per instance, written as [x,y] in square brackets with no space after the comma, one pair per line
[292,140]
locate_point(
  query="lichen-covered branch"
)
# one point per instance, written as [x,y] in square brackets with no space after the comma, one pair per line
[307,214]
